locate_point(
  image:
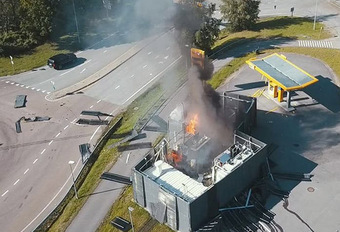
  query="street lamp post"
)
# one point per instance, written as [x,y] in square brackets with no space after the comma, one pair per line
[130,210]
[316,10]
[74,183]
[75,17]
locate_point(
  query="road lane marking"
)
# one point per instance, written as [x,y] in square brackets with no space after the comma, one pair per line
[66,72]
[127,158]
[35,161]
[117,87]
[94,132]
[91,107]
[32,88]
[85,62]
[50,202]
[132,75]
[150,74]
[12,83]
[22,86]
[145,66]
[16,84]
[4,193]
[43,151]
[26,171]
[149,53]
[57,135]
[7,82]
[83,70]
[43,91]
[27,87]
[16,181]
[175,61]
[99,101]
[105,51]
[66,127]
[166,57]
[38,90]
[50,143]
[48,92]
[74,120]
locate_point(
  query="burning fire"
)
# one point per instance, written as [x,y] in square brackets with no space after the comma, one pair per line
[176,157]
[191,127]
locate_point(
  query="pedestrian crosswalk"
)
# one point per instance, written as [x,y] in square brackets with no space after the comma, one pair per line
[315,44]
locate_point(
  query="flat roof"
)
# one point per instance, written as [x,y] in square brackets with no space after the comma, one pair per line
[279,70]
[175,181]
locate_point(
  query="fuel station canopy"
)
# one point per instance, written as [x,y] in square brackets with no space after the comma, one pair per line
[277,69]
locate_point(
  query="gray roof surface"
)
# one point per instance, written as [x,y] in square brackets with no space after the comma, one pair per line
[283,71]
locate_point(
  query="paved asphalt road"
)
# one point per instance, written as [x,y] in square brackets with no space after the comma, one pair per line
[34,169]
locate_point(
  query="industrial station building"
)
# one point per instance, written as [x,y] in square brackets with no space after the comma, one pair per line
[190,177]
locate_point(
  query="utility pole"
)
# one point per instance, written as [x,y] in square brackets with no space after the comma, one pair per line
[75,17]
[316,10]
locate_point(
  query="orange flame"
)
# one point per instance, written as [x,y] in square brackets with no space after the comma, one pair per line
[176,157]
[191,127]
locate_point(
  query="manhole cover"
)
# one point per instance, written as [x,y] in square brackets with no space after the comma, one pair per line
[310,189]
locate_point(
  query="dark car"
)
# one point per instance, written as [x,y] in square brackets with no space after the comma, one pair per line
[61,60]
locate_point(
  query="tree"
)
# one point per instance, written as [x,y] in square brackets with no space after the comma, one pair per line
[206,36]
[241,14]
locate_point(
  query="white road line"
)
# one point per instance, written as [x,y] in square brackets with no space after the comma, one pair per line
[74,120]
[43,91]
[26,171]
[32,88]
[50,142]
[99,101]
[91,107]
[7,82]
[175,61]
[66,72]
[57,135]
[94,132]
[166,57]
[127,158]
[145,66]
[4,193]
[16,84]
[83,70]
[48,92]
[117,87]
[149,53]
[22,86]
[132,75]
[105,51]
[150,74]
[35,161]
[12,83]
[66,127]
[49,203]
[43,151]
[85,62]
[16,181]
[27,87]
[38,90]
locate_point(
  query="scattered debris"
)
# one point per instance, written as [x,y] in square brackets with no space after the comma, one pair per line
[20,101]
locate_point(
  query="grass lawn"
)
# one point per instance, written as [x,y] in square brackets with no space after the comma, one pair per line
[36,58]
[277,27]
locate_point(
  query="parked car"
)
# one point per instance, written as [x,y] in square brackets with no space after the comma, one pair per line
[61,60]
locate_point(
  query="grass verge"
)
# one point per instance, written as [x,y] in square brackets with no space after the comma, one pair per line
[277,27]
[34,59]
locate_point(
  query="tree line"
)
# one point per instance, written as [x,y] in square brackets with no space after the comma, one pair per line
[24,24]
